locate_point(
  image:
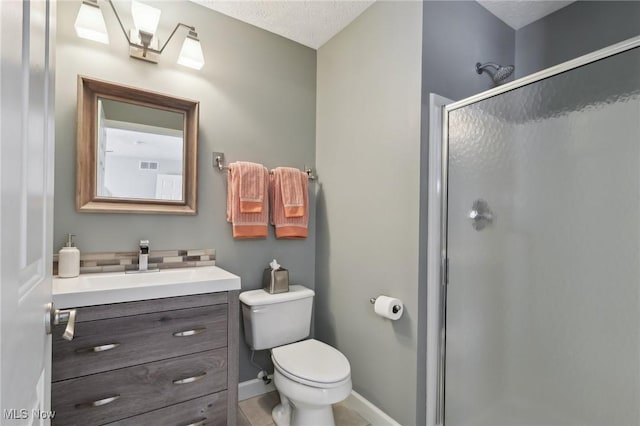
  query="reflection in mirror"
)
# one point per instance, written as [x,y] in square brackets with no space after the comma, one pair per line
[136,150]
[140,152]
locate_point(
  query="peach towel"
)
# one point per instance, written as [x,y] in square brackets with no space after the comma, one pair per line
[292,191]
[246,225]
[288,227]
[252,186]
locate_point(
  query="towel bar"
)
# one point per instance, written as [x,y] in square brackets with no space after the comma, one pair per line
[218,161]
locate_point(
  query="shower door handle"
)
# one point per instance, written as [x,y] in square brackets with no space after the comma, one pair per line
[480,215]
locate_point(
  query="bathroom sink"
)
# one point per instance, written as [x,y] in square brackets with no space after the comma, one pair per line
[116,287]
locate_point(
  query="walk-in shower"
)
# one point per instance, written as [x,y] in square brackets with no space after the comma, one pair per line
[499,73]
[540,306]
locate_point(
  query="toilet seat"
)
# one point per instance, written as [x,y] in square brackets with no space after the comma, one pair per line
[312,363]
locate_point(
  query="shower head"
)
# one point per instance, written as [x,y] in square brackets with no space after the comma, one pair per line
[501,72]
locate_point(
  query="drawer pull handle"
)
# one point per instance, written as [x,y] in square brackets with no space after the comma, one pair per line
[200,422]
[99,348]
[189,379]
[186,333]
[99,402]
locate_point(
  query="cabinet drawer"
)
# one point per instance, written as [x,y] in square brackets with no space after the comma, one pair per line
[108,344]
[125,309]
[210,410]
[115,395]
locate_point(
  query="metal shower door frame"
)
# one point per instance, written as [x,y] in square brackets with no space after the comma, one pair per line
[604,53]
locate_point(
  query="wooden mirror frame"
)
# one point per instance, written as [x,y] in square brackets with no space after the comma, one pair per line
[87,200]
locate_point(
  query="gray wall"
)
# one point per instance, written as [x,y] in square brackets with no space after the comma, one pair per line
[456,35]
[367,153]
[257,103]
[575,30]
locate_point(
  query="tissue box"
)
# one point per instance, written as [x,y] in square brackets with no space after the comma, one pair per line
[278,282]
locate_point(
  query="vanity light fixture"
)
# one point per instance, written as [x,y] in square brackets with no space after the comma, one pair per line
[90,22]
[143,40]
[191,53]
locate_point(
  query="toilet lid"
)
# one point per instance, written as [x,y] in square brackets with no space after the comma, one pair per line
[313,361]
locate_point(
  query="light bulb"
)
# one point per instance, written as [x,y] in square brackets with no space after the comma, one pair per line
[191,53]
[90,23]
[145,17]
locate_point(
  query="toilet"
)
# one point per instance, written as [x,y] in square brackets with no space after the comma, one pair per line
[309,375]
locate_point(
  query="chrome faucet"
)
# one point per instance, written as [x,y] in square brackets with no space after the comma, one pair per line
[143,258]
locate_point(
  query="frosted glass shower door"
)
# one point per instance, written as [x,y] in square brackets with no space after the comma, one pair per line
[543,303]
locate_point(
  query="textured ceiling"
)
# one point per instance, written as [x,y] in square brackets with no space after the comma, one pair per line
[309,22]
[519,13]
[314,22]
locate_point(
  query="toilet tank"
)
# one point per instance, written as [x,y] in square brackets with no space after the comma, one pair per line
[272,320]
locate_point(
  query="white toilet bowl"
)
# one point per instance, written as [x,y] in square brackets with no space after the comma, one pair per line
[310,376]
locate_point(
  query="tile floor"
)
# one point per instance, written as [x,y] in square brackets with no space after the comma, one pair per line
[257,412]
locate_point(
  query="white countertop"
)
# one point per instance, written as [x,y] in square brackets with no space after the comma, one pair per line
[116,287]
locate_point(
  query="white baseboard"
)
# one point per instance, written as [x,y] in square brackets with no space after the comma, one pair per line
[252,388]
[370,412]
[355,401]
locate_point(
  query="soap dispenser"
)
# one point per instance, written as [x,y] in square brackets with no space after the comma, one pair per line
[69,260]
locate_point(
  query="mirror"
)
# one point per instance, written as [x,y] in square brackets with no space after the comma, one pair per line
[136,150]
[140,152]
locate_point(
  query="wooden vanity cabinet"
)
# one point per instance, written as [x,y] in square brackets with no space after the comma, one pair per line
[171,361]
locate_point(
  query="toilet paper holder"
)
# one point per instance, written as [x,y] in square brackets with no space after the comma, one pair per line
[396,308]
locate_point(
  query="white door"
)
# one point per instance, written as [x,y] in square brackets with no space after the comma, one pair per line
[27,34]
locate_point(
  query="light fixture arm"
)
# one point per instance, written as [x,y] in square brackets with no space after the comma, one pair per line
[178,25]
[115,12]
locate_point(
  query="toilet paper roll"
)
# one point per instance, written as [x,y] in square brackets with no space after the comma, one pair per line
[388,307]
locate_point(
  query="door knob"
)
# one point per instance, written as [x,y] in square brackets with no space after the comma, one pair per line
[60,316]
[481,216]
